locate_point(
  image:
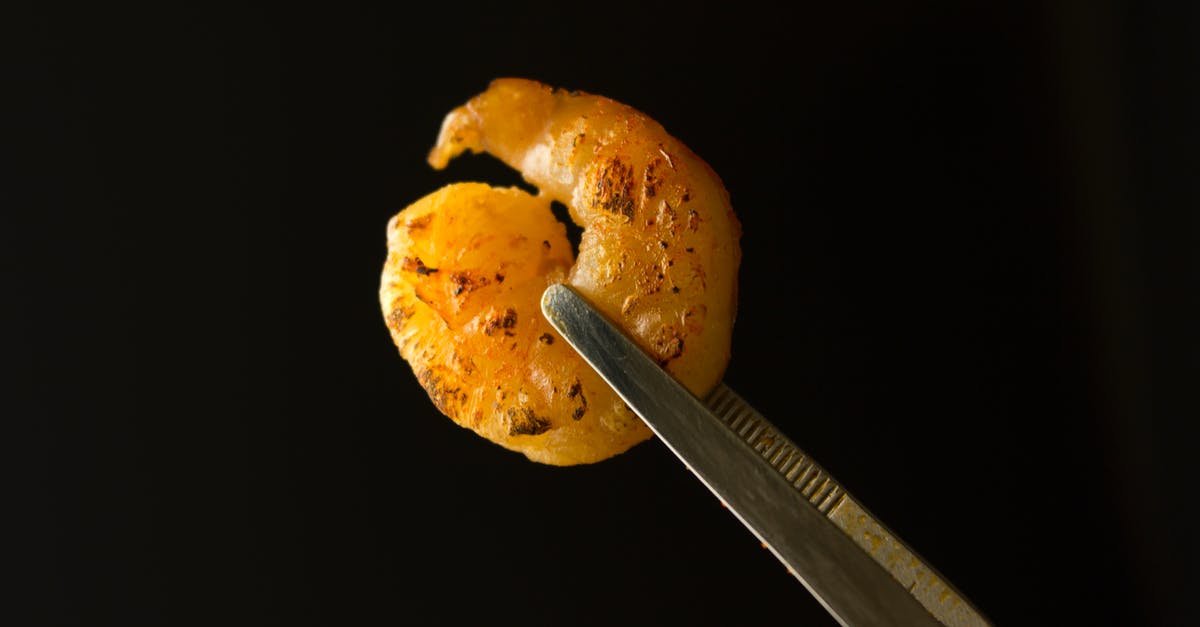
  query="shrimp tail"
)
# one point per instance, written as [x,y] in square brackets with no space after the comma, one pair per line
[460,132]
[505,120]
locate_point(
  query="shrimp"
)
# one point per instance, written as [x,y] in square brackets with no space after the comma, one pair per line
[466,267]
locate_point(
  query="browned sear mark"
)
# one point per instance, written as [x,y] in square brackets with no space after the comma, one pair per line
[546,339]
[414,264]
[669,345]
[466,282]
[417,224]
[441,395]
[506,322]
[614,188]
[524,422]
[399,316]
[577,390]
[651,179]
[464,363]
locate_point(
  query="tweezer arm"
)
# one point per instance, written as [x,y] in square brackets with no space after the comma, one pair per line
[827,496]
[849,561]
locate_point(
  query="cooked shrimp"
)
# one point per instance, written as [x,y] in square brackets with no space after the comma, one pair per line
[467,264]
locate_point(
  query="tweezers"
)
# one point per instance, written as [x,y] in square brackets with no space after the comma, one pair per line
[861,572]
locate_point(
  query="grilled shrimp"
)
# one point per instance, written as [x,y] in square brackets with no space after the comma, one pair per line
[466,267]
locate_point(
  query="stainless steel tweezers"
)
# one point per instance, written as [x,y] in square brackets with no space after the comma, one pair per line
[858,569]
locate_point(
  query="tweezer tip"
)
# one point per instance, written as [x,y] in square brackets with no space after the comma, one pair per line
[556,292]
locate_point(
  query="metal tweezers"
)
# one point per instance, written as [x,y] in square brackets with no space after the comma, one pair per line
[854,566]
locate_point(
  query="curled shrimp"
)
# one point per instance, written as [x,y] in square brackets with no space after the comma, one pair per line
[466,267]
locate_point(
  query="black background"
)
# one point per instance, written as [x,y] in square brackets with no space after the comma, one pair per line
[969,273]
